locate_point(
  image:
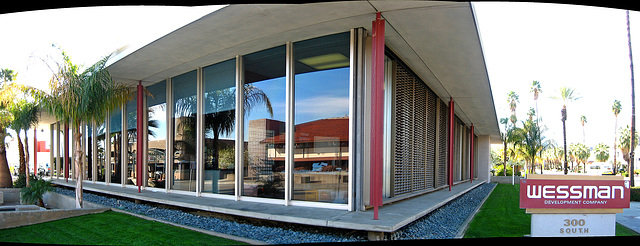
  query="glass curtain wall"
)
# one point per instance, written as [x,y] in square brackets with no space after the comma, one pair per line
[219,125]
[131,138]
[320,171]
[184,131]
[101,144]
[88,161]
[157,134]
[264,123]
[115,136]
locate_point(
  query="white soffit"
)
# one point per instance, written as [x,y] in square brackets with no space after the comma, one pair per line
[438,40]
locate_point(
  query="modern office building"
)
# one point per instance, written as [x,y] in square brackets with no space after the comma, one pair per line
[342,105]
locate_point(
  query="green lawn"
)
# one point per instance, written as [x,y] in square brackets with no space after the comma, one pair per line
[501,216]
[109,228]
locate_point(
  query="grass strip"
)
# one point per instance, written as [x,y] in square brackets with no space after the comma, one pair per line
[109,228]
[501,216]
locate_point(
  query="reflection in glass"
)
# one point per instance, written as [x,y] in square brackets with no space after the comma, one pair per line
[157,134]
[184,131]
[115,129]
[100,133]
[219,124]
[264,105]
[321,158]
[132,136]
[88,161]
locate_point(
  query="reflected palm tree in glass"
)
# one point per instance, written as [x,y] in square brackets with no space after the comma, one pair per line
[220,122]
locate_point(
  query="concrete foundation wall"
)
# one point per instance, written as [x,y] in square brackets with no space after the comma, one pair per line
[9,196]
[65,208]
[505,179]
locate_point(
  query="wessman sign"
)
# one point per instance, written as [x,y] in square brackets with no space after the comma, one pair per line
[573,194]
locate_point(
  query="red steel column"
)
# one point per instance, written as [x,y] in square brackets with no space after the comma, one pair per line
[377,112]
[471,154]
[451,142]
[140,135]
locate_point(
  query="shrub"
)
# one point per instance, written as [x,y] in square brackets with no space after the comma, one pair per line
[635,194]
[499,170]
[21,181]
[33,193]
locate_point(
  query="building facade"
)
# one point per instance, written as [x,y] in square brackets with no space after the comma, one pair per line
[273,104]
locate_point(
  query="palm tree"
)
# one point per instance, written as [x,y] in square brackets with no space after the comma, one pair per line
[531,113]
[531,143]
[536,89]
[602,152]
[583,119]
[626,143]
[567,94]
[582,154]
[633,104]
[25,116]
[7,93]
[513,99]
[504,121]
[616,108]
[79,97]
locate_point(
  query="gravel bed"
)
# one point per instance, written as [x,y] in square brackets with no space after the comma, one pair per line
[442,223]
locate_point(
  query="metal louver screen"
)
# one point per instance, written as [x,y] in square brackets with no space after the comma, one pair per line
[403,156]
[414,160]
[442,145]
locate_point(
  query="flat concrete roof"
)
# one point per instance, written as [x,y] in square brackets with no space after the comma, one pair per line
[438,40]
[391,216]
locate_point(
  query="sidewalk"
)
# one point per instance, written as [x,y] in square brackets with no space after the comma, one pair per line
[630,217]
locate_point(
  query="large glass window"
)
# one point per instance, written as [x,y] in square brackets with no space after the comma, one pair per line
[100,147]
[184,131]
[115,129]
[321,157]
[219,124]
[264,106]
[131,138]
[88,161]
[157,134]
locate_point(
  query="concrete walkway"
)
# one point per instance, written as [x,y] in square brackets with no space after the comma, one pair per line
[630,217]
[391,216]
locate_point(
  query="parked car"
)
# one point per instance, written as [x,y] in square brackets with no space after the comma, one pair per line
[600,168]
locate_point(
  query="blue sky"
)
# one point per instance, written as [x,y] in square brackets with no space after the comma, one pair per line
[582,47]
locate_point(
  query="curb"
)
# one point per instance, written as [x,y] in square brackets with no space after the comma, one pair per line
[465,225]
[212,233]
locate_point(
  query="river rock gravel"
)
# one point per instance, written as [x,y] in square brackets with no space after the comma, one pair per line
[443,223]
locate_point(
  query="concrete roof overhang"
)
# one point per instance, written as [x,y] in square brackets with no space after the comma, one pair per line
[438,40]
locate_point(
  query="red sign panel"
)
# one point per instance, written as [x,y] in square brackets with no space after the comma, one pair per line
[583,194]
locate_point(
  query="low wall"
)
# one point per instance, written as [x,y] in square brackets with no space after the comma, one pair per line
[505,179]
[64,208]
[10,196]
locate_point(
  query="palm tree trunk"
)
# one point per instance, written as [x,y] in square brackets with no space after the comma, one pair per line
[26,158]
[633,109]
[505,157]
[5,172]
[26,150]
[20,153]
[564,136]
[78,162]
[615,150]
